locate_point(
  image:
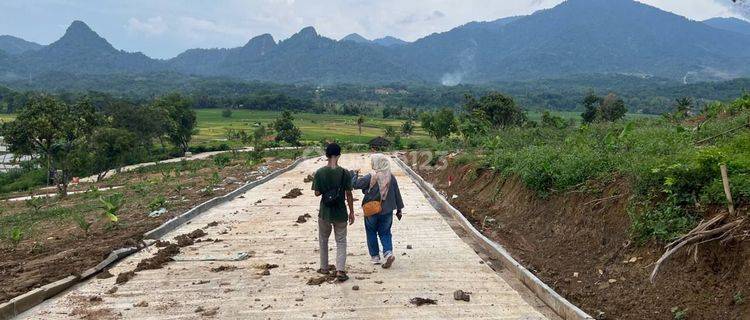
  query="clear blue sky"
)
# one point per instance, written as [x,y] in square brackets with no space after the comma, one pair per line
[164,28]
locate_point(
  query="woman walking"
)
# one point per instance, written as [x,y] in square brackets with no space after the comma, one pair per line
[380,188]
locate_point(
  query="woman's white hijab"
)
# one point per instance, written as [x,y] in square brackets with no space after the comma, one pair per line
[382,174]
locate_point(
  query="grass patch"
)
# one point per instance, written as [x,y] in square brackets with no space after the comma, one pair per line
[26,220]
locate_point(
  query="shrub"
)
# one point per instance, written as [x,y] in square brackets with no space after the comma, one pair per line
[158,202]
[22,180]
[254,157]
[222,160]
[664,222]
[36,203]
[81,222]
[15,236]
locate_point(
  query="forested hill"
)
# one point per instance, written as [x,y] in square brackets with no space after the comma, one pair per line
[575,37]
[730,24]
[649,95]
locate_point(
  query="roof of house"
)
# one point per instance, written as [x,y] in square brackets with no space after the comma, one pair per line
[379,141]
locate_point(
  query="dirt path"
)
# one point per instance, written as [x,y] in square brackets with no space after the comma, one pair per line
[198,156]
[266,226]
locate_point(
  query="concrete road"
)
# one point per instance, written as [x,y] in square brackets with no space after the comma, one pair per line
[264,225]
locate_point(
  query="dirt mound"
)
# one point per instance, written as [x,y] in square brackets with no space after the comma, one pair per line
[303,218]
[316,281]
[223,268]
[185,240]
[267,266]
[163,256]
[417,301]
[578,243]
[124,277]
[296,192]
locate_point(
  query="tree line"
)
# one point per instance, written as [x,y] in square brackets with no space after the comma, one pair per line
[494,111]
[77,138]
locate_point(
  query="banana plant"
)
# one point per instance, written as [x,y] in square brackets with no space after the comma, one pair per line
[111,205]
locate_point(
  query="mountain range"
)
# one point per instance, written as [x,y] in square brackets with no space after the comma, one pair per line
[575,37]
[730,24]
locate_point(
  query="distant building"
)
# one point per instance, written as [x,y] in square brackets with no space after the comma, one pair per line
[379,143]
[384,91]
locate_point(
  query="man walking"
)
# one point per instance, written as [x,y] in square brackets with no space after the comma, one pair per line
[332,183]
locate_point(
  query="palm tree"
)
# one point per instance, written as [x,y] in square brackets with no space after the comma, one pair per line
[360,121]
[683,106]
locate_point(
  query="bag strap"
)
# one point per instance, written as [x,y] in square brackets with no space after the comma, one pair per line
[343,178]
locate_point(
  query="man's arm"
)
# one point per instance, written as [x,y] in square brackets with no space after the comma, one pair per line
[315,185]
[350,203]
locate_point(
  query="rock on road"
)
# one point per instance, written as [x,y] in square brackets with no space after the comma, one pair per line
[265,225]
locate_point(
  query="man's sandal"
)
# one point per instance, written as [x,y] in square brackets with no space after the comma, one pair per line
[341,276]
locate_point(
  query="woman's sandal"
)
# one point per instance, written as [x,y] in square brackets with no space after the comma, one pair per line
[341,276]
[388,262]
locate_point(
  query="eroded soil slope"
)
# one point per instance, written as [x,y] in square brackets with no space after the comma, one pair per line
[578,243]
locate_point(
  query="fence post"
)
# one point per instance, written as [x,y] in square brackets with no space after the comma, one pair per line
[727,191]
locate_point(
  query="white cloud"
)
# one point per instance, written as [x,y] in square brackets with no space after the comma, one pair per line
[740,7]
[693,9]
[197,28]
[151,27]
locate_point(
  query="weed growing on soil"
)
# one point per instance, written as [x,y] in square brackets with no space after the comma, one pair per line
[254,157]
[16,235]
[92,192]
[141,188]
[679,314]
[664,222]
[222,160]
[738,298]
[166,174]
[35,203]
[157,203]
[82,223]
[178,188]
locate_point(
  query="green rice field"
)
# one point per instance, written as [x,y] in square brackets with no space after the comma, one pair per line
[315,127]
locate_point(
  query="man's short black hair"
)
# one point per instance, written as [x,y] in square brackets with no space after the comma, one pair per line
[333,150]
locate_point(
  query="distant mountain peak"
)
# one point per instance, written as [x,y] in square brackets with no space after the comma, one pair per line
[355,37]
[13,45]
[258,46]
[263,40]
[389,41]
[80,36]
[307,32]
[730,24]
[79,26]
